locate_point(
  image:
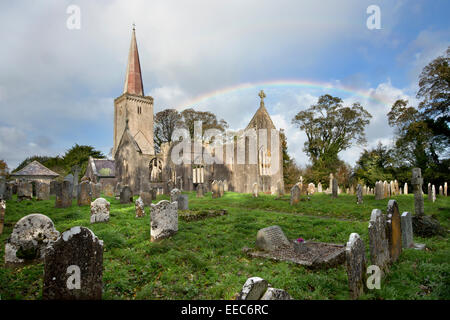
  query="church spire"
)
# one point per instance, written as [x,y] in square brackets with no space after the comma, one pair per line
[133,78]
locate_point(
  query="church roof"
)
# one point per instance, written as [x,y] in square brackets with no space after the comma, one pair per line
[261,119]
[35,169]
[133,77]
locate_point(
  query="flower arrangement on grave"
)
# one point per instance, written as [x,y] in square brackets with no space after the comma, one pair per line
[299,246]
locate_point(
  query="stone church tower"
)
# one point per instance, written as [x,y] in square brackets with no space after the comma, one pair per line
[132,108]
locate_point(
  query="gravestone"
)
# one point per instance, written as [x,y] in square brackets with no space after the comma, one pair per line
[378,242]
[433,194]
[69,178]
[24,191]
[378,191]
[117,190]
[359,196]
[394,230]
[280,189]
[225,185]
[253,289]
[170,185]
[271,239]
[183,202]
[154,193]
[29,238]
[429,194]
[417,181]
[73,267]
[407,230]
[84,197]
[96,190]
[2,188]
[276,294]
[385,189]
[255,190]
[295,195]
[200,190]
[334,188]
[42,191]
[53,184]
[63,195]
[319,188]
[174,194]
[405,188]
[100,210]
[2,214]
[445,189]
[221,189]
[355,253]
[126,196]
[139,207]
[76,173]
[311,188]
[441,191]
[146,198]
[215,189]
[108,190]
[163,220]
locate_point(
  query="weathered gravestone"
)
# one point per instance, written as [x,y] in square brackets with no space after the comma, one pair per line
[295,195]
[359,195]
[100,210]
[311,188]
[319,188]
[146,198]
[276,294]
[7,191]
[215,189]
[378,242]
[417,181]
[117,190]
[429,193]
[407,231]
[108,190]
[29,238]
[221,189]
[378,191]
[2,188]
[42,191]
[394,230]
[24,191]
[2,214]
[441,191]
[53,184]
[225,185]
[163,220]
[73,267]
[76,173]
[253,289]
[84,197]
[183,202]
[139,206]
[126,196]
[96,190]
[334,188]
[174,194]
[433,194]
[63,195]
[445,189]
[405,188]
[255,190]
[200,191]
[355,253]
[271,239]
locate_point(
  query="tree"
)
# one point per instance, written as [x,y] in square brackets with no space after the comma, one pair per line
[79,155]
[331,128]
[209,120]
[375,164]
[166,122]
[4,170]
[291,172]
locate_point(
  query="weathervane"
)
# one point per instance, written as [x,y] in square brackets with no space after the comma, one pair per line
[262,95]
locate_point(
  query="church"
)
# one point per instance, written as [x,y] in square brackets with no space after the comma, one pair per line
[136,164]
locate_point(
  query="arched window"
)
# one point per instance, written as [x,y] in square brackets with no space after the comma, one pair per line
[155,167]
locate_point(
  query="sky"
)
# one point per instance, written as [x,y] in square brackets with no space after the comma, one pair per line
[58,84]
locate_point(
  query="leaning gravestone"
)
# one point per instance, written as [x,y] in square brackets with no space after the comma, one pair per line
[29,238]
[359,195]
[394,230]
[407,230]
[163,220]
[183,202]
[295,195]
[24,191]
[215,189]
[84,193]
[253,289]
[271,239]
[100,210]
[73,267]
[378,242]
[2,214]
[355,253]
[139,207]
[334,188]
[146,198]
[96,190]
[174,194]
[126,196]
[42,191]
[200,191]
[63,195]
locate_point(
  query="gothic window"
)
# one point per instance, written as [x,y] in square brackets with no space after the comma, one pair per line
[264,160]
[198,174]
[155,170]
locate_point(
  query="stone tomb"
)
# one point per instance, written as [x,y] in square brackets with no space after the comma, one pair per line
[126,196]
[100,210]
[272,244]
[355,261]
[63,195]
[163,220]
[139,206]
[29,238]
[73,267]
[24,191]
[378,242]
[394,230]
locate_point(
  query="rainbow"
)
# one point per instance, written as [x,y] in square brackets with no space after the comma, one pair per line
[325,87]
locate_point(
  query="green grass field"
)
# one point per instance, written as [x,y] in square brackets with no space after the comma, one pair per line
[204,260]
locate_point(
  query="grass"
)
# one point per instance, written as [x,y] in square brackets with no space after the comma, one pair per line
[204,260]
